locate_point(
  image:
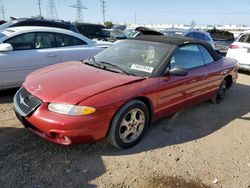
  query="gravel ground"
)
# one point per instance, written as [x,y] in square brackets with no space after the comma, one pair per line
[204,146]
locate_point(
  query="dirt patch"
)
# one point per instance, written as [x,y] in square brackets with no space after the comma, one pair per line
[174,182]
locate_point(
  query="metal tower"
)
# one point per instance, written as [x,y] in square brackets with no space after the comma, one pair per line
[51,9]
[79,7]
[103,6]
[3,11]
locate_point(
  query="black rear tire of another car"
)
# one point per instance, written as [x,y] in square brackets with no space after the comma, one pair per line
[129,124]
[220,95]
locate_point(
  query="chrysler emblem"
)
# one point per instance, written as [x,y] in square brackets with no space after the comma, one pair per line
[22,100]
[35,90]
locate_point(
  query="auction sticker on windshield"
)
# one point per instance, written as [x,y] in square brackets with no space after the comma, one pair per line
[142,68]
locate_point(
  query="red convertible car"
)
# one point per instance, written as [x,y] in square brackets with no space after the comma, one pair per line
[120,91]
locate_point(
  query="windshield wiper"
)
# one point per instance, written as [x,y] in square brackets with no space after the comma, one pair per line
[116,66]
[91,61]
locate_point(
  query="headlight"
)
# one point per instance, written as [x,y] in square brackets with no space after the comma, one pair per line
[73,110]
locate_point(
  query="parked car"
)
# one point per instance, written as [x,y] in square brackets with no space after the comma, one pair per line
[25,49]
[93,31]
[40,22]
[196,34]
[130,33]
[222,39]
[116,34]
[120,91]
[2,22]
[240,50]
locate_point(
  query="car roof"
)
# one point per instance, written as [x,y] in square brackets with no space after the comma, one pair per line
[22,29]
[178,41]
[44,20]
[37,28]
[172,40]
[89,24]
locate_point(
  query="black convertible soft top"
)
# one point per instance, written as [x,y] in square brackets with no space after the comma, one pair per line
[178,41]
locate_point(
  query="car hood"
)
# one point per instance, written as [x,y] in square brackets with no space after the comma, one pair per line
[73,82]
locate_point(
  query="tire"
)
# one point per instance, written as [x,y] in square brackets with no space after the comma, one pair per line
[220,95]
[129,124]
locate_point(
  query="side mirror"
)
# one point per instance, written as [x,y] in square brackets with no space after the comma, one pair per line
[6,47]
[178,71]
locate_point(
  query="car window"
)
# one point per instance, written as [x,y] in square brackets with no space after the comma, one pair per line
[206,55]
[188,57]
[201,36]
[66,40]
[245,38]
[22,42]
[44,40]
[190,35]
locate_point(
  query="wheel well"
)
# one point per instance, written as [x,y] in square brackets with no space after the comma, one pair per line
[148,103]
[229,81]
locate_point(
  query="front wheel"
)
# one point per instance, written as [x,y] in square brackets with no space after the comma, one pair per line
[129,124]
[220,95]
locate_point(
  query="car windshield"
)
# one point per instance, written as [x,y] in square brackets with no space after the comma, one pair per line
[6,25]
[140,58]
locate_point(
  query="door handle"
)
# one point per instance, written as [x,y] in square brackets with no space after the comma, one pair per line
[51,55]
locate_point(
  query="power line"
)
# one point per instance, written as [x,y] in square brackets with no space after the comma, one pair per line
[51,9]
[103,7]
[79,7]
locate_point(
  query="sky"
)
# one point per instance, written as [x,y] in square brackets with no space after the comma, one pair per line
[203,12]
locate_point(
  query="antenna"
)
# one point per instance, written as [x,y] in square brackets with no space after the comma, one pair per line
[103,6]
[79,7]
[51,9]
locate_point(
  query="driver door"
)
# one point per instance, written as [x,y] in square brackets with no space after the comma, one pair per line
[178,92]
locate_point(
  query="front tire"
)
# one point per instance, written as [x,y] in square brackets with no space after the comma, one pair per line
[220,95]
[129,124]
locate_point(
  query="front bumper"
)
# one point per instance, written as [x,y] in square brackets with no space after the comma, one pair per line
[63,129]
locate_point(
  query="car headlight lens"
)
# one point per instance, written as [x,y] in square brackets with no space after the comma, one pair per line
[72,110]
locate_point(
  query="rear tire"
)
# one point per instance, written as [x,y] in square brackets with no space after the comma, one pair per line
[129,124]
[220,95]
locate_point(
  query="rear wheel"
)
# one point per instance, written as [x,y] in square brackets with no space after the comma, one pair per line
[220,95]
[129,124]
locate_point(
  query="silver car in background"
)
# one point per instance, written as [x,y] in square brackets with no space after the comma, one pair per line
[28,48]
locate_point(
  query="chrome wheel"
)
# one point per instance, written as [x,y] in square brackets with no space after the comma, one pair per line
[132,125]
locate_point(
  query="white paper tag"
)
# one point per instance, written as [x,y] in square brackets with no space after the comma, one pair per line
[142,68]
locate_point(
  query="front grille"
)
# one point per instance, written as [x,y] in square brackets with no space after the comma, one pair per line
[25,103]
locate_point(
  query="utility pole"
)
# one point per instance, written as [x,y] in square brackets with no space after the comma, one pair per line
[51,9]
[3,12]
[79,7]
[103,6]
[40,4]
[135,18]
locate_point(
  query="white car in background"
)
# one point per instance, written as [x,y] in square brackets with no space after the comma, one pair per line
[25,49]
[240,50]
